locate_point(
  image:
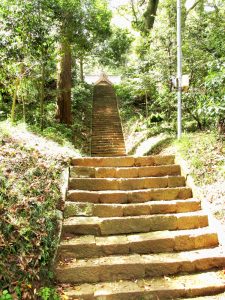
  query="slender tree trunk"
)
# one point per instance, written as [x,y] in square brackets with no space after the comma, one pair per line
[82,69]
[42,95]
[146,103]
[24,110]
[64,84]
[17,85]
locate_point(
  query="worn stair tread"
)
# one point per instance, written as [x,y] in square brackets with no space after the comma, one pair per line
[73,209]
[127,161]
[214,295]
[151,242]
[134,266]
[122,225]
[100,184]
[133,196]
[170,287]
[124,172]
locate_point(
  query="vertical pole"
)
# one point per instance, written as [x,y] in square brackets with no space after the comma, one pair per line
[179,71]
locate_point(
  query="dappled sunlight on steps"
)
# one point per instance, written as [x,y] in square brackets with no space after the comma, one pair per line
[132,230]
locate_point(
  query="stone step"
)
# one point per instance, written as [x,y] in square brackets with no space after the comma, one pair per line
[114,122]
[142,243]
[104,145]
[109,145]
[75,209]
[134,224]
[109,132]
[102,184]
[108,135]
[108,153]
[111,149]
[165,288]
[129,172]
[104,140]
[213,296]
[107,138]
[128,161]
[99,154]
[135,266]
[134,196]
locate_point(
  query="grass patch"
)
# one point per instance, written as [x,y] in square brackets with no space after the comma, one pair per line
[206,155]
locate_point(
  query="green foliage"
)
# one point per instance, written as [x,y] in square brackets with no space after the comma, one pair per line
[205,152]
[114,50]
[147,87]
[29,195]
[48,294]
[5,296]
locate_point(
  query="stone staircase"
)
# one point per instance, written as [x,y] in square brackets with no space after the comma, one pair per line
[132,230]
[107,135]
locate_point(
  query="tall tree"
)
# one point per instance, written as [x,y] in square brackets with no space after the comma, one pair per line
[81,24]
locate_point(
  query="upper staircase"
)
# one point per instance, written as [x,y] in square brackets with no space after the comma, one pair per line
[107,135]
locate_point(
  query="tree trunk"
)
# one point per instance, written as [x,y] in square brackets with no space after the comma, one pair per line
[146,103]
[150,13]
[17,85]
[64,84]
[42,94]
[82,69]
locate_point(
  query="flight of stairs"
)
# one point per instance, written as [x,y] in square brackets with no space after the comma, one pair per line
[107,135]
[133,231]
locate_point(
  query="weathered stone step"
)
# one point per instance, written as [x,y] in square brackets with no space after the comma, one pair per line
[109,133]
[99,154]
[122,225]
[104,145]
[113,122]
[142,243]
[129,172]
[134,196]
[102,184]
[75,209]
[109,145]
[127,161]
[108,153]
[214,296]
[108,149]
[107,138]
[165,288]
[134,266]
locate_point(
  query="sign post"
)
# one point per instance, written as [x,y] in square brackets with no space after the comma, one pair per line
[179,71]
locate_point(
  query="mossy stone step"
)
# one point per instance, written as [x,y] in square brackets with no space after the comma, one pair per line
[135,266]
[127,161]
[124,172]
[74,209]
[134,196]
[141,243]
[101,184]
[164,288]
[144,223]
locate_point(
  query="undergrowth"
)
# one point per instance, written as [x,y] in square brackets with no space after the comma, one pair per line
[205,152]
[29,197]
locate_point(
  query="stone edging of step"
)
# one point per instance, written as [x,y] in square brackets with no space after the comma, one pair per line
[60,208]
[197,193]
